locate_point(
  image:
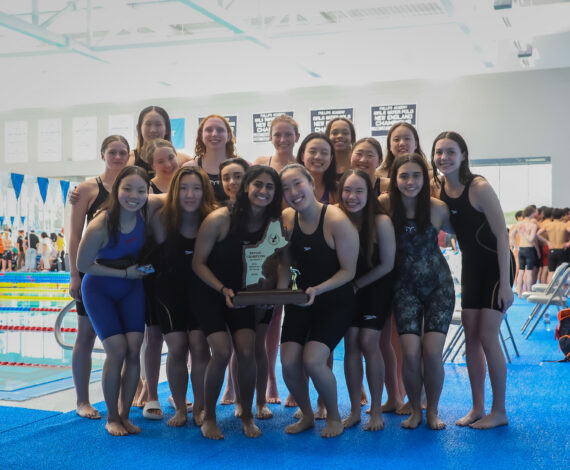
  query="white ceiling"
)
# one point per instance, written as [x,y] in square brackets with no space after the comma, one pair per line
[63,52]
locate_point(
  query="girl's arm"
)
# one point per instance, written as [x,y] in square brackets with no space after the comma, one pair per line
[345,240]
[77,221]
[485,200]
[211,230]
[155,223]
[95,238]
[387,244]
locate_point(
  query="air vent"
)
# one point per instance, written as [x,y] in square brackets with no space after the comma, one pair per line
[399,9]
[191,28]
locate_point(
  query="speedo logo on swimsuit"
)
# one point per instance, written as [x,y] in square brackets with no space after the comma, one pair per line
[369,317]
[189,252]
[130,240]
[453,211]
[306,248]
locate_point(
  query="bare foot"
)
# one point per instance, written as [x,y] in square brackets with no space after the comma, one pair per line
[137,394]
[86,410]
[363,397]
[302,425]
[321,412]
[492,420]
[413,421]
[375,423]
[298,414]
[470,418]
[115,428]
[405,409]
[263,412]
[238,411]
[391,405]
[142,397]
[179,419]
[229,397]
[332,429]
[130,427]
[351,420]
[272,394]
[433,421]
[211,430]
[198,417]
[290,402]
[250,429]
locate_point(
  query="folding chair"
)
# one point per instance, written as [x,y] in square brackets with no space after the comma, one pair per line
[458,339]
[545,290]
[557,297]
[536,288]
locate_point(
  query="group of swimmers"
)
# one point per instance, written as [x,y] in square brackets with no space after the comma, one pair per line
[541,239]
[363,234]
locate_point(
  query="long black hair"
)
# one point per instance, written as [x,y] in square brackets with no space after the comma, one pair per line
[113,206]
[241,209]
[369,213]
[329,176]
[422,210]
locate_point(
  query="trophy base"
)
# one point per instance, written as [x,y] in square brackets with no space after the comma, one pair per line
[270,297]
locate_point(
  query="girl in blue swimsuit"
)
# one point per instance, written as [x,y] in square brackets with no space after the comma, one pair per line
[113,294]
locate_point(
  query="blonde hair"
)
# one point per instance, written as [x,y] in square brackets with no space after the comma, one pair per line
[153,146]
[287,120]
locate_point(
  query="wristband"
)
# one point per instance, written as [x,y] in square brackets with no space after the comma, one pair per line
[222,290]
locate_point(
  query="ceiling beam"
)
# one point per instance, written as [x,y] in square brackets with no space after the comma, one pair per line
[221,17]
[61,41]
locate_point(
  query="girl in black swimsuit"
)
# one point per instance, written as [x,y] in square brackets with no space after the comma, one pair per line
[189,200]
[486,273]
[324,248]
[215,142]
[373,288]
[153,123]
[162,158]
[218,262]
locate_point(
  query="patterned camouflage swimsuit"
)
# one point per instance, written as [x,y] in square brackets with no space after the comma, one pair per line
[424,287]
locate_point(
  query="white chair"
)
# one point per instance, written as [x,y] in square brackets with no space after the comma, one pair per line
[536,288]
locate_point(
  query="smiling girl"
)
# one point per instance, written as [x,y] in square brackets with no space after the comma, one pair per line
[373,288]
[424,296]
[113,294]
[316,154]
[324,248]
[218,262]
[486,272]
[215,142]
[342,134]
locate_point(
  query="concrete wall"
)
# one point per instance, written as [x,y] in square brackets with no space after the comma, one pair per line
[520,114]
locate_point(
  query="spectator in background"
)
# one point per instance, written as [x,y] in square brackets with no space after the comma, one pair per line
[32,251]
[61,250]
[21,250]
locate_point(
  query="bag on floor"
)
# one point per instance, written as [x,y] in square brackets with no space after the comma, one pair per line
[563,332]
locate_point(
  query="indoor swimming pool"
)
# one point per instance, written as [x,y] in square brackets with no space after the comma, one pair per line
[32,363]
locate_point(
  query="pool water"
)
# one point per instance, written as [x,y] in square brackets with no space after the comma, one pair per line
[31,361]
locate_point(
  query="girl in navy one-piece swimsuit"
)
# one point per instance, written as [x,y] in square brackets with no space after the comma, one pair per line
[113,296]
